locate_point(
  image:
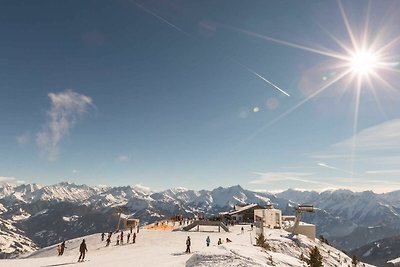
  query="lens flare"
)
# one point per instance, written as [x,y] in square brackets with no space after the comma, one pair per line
[364,62]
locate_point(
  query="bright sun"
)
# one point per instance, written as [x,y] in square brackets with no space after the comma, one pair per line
[363,62]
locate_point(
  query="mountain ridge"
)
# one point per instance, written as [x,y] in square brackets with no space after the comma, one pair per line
[66,210]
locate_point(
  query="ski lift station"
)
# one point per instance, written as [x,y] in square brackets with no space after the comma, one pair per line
[271,218]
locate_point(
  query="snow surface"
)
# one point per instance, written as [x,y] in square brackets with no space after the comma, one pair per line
[395,261]
[166,248]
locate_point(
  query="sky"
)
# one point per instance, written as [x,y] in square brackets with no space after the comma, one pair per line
[266,94]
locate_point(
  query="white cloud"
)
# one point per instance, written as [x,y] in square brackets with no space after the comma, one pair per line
[142,188]
[122,158]
[380,137]
[23,139]
[383,172]
[373,152]
[10,180]
[270,177]
[66,109]
[75,171]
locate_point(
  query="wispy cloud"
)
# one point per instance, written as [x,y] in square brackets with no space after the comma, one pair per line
[372,162]
[75,171]
[271,177]
[10,180]
[23,139]
[380,137]
[383,172]
[122,158]
[65,111]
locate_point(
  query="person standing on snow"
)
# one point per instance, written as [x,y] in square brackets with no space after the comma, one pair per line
[128,238]
[82,250]
[208,241]
[102,237]
[133,238]
[188,243]
[59,250]
[63,247]
[122,237]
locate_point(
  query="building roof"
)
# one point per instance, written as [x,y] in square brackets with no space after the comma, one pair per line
[242,209]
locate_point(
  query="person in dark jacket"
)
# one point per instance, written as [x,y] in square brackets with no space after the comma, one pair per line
[82,250]
[134,238]
[63,247]
[102,236]
[188,243]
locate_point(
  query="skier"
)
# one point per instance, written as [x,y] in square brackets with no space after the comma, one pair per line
[122,237]
[188,244]
[242,229]
[82,250]
[117,240]
[134,238]
[62,247]
[228,240]
[102,237]
[128,237]
[219,241]
[108,240]
[59,250]
[251,227]
[208,241]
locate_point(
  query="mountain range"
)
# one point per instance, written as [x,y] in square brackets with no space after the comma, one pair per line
[39,216]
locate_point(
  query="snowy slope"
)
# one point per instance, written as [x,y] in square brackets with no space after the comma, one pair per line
[13,241]
[166,248]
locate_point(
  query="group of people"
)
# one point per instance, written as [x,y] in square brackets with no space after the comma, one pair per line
[208,241]
[120,238]
[61,248]
[82,250]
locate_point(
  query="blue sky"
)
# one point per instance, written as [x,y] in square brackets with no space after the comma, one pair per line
[266,94]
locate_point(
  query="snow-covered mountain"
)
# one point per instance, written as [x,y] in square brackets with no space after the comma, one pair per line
[13,241]
[49,214]
[351,219]
[380,251]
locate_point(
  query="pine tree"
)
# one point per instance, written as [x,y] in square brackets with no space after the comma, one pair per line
[302,258]
[262,242]
[354,260]
[315,258]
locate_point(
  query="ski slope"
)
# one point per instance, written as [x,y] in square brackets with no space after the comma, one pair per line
[166,249]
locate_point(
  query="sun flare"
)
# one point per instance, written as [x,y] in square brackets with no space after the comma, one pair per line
[363,62]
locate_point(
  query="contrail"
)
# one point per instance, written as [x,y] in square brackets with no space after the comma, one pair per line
[162,19]
[335,168]
[261,77]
